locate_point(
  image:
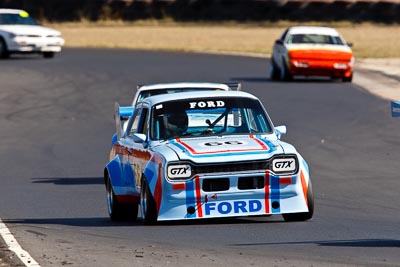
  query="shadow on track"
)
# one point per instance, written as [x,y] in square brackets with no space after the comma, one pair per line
[365,243]
[106,222]
[69,181]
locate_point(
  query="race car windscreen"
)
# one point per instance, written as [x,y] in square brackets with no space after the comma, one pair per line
[314,39]
[17,19]
[204,117]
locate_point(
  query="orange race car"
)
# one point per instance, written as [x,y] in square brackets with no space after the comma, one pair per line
[311,51]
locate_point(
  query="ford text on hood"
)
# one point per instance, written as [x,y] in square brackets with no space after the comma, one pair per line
[202,155]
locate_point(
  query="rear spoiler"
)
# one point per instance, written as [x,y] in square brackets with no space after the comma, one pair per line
[126,111]
[121,115]
[232,86]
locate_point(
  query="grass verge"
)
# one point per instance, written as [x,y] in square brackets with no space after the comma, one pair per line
[369,40]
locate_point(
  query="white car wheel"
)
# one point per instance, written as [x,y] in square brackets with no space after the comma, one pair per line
[3,49]
[48,54]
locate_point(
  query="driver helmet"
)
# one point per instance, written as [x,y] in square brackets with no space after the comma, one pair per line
[176,123]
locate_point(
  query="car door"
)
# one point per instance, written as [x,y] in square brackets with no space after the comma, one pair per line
[138,153]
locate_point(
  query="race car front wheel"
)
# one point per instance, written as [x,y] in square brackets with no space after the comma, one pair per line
[118,211]
[303,216]
[147,204]
[48,54]
[3,49]
[348,79]
[273,70]
[284,72]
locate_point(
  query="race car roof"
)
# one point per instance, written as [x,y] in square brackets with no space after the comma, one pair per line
[10,11]
[313,30]
[183,85]
[154,100]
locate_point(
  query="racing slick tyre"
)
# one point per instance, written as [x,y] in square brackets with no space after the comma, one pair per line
[3,49]
[48,54]
[147,204]
[273,71]
[348,79]
[302,216]
[118,211]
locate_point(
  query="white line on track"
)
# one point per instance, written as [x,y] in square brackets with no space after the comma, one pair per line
[13,245]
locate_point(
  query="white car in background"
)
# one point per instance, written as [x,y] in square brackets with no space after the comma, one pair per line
[122,114]
[311,51]
[20,33]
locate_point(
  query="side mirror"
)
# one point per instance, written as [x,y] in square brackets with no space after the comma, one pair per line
[139,138]
[349,44]
[279,41]
[280,130]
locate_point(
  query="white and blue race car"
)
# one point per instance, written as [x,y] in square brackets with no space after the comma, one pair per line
[199,155]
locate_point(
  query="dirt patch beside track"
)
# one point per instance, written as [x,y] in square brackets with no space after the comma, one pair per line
[381,77]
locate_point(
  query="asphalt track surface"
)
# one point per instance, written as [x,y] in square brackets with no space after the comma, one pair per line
[56,120]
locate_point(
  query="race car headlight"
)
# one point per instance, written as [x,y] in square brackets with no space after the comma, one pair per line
[179,171]
[301,64]
[340,66]
[284,165]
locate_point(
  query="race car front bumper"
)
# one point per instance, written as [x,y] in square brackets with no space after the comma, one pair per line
[36,44]
[216,196]
[320,68]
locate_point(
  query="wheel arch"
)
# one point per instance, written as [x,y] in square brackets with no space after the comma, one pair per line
[4,41]
[113,172]
[2,38]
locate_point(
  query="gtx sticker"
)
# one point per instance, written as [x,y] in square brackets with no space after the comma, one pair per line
[179,171]
[288,164]
[207,104]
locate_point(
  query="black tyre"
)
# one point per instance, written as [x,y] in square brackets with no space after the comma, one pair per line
[48,54]
[147,204]
[348,79]
[303,216]
[285,74]
[4,53]
[274,72]
[118,211]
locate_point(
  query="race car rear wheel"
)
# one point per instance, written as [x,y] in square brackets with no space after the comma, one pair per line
[303,216]
[118,211]
[147,204]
